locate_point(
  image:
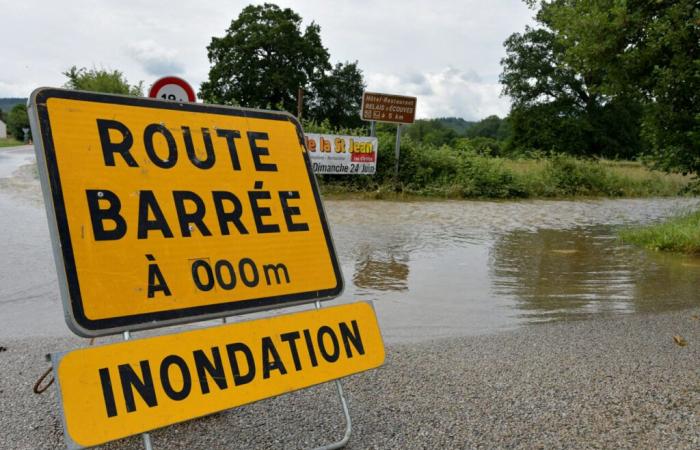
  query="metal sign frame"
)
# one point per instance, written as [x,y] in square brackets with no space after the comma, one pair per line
[64,258]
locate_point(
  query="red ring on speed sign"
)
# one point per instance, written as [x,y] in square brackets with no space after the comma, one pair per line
[164,82]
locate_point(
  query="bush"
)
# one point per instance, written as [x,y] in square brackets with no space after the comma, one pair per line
[468,169]
[570,176]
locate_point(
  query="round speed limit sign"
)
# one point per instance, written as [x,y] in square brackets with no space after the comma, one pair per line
[172,88]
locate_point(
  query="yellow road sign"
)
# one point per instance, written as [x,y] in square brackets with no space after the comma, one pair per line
[165,212]
[122,389]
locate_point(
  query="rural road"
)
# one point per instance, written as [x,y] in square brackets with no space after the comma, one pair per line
[604,383]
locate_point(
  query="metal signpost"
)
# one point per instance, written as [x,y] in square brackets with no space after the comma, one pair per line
[398,109]
[167,212]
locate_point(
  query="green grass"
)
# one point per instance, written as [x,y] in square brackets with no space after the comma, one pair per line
[450,173]
[9,142]
[565,176]
[464,170]
[680,234]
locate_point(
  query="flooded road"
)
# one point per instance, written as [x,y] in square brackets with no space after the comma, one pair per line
[432,268]
[438,269]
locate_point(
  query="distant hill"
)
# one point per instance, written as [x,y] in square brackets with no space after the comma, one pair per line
[6,104]
[456,124]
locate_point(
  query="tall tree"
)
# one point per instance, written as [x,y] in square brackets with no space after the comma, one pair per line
[640,58]
[647,49]
[559,107]
[337,96]
[101,80]
[264,59]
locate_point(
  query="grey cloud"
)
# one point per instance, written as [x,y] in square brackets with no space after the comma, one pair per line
[155,59]
[417,83]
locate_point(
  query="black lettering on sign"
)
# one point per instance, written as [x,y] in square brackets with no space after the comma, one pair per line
[144,387]
[310,348]
[148,134]
[270,358]
[255,276]
[230,135]
[147,205]
[107,392]
[176,378]
[156,280]
[291,339]
[98,215]
[170,391]
[109,147]
[257,151]
[276,269]
[335,353]
[261,211]
[214,369]
[238,378]
[204,283]
[290,211]
[191,152]
[224,271]
[195,217]
[351,337]
[224,216]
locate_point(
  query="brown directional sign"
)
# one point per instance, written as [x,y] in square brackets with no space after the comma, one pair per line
[388,108]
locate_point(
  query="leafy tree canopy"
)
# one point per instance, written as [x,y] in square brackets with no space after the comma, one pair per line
[101,80]
[265,57]
[557,106]
[609,71]
[647,49]
[337,96]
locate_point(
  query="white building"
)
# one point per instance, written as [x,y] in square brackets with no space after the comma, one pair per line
[3,130]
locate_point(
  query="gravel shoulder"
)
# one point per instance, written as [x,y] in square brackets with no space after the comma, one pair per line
[607,383]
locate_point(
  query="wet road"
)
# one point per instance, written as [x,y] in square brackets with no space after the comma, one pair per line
[432,268]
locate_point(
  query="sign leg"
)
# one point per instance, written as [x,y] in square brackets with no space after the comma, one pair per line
[346,412]
[146,437]
[397,154]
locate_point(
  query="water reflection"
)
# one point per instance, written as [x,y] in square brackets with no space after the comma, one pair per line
[560,273]
[381,270]
[444,268]
[568,274]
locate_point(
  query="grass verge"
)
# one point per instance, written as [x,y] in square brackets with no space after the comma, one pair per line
[679,234]
[448,173]
[10,142]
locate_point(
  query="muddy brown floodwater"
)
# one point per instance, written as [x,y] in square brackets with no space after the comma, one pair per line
[432,268]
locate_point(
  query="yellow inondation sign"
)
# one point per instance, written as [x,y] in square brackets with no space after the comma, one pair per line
[165,212]
[117,390]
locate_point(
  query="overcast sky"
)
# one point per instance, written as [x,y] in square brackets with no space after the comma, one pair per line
[446,53]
